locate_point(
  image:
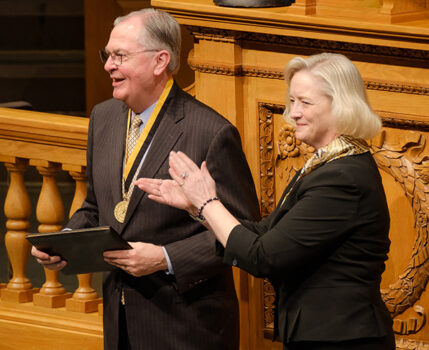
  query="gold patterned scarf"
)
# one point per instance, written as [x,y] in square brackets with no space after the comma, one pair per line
[342,146]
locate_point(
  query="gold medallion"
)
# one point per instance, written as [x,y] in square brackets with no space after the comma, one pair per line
[120,211]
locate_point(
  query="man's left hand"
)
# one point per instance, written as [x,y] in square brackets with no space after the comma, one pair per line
[143,259]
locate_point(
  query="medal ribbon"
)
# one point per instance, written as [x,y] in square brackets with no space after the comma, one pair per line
[146,136]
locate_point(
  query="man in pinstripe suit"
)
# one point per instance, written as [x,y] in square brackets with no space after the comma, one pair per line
[171,290]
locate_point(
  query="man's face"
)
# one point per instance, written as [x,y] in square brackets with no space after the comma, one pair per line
[133,78]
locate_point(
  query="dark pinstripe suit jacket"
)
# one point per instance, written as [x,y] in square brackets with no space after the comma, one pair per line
[197,307]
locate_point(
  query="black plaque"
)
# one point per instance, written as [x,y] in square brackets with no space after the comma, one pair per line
[82,248]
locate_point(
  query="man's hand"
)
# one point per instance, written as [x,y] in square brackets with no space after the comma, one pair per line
[142,260]
[50,262]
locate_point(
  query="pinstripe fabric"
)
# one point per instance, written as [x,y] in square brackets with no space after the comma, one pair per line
[197,307]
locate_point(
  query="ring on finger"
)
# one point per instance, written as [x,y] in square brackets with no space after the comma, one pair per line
[184,175]
[181,184]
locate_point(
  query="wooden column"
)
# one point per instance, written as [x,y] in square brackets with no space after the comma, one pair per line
[50,214]
[303,7]
[99,17]
[217,61]
[17,209]
[85,298]
[395,11]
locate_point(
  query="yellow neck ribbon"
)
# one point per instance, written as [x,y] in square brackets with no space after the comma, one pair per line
[129,162]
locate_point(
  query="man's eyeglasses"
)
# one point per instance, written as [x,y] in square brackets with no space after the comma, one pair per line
[118,58]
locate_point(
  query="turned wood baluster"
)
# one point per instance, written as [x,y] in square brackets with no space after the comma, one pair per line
[85,298]
[50,214]
[17,208]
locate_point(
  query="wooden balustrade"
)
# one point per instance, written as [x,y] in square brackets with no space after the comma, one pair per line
[52,144]
[50,213]
[85,298]
[17,209]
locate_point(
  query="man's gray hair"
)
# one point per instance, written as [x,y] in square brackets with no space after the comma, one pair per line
[160,31]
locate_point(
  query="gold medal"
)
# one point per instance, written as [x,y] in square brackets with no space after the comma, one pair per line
[120,211]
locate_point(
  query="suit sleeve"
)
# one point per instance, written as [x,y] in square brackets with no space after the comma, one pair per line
[87,215]
[307,233]
[194,260]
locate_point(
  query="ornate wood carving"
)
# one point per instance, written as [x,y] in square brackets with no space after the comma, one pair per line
[410,344]
[390,86]
[266,157]
[420,57]
[403,160]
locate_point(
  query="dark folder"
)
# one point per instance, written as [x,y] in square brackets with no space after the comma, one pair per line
[82,249]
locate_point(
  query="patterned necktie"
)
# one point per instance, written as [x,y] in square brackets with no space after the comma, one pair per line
[133,134]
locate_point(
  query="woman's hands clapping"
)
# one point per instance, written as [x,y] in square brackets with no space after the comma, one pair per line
[190,188]
[196,183]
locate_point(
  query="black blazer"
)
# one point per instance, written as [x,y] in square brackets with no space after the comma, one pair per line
[197,307]
[324,251]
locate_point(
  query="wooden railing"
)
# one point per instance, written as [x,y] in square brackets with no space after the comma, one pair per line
[51,316]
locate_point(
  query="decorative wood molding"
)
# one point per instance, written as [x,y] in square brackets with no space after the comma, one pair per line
[410,344]
[214,68]
[266,160]
[403,121]
[270,73]
[420,57]
[391,86]
[267,73]
[269,297]
[403,160]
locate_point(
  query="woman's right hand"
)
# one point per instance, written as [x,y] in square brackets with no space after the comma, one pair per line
[165,192]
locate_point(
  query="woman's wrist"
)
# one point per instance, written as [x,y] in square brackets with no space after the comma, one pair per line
[197,213]
[201,208]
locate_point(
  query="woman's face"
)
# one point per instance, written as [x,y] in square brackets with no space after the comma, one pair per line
[310,108]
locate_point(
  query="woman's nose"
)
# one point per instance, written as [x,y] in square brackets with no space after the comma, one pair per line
[295,111]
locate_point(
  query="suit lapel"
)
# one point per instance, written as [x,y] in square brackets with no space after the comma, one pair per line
[163,142]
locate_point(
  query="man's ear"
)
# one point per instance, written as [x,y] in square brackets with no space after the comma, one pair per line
[162,59]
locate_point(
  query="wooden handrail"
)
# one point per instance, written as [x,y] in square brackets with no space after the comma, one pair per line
[43,136]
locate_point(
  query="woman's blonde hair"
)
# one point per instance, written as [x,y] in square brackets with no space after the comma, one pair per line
[342,82]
